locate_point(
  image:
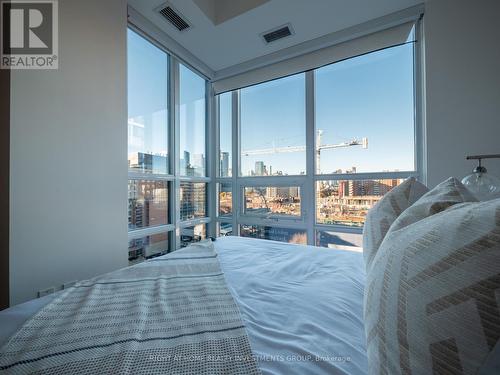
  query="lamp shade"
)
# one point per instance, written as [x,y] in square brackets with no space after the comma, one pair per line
[482,184]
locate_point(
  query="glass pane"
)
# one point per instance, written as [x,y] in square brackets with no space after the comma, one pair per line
[273,129]
[147,106]
[365,113]
[193,234]
[193,200]
[225,199]
[225,130]
[346,202]
[147,203]
[339,241]
[140,249]
[297,236]
[192,123]
[272,201]
[224,229]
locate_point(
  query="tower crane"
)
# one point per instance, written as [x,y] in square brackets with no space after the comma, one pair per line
[319,147]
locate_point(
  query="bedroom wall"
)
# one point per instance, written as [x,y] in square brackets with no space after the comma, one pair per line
[68,189]
[462,84]
[4,186]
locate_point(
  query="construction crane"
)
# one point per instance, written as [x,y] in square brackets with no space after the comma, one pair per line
[319,148]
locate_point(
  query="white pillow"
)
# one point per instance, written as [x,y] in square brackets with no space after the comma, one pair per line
[382,215]
[432,295]
[444,195]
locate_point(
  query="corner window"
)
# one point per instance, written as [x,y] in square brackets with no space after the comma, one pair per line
[357,132]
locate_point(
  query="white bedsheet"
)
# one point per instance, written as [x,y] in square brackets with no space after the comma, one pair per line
[299,304]
[298,301]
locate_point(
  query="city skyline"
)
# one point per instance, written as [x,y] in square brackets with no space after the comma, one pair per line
[159,163]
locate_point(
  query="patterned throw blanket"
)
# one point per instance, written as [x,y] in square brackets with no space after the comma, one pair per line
[170,315]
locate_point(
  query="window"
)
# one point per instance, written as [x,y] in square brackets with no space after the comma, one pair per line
[224,229]
[272,201]
[295,236]
[346,202]
[192,123]
[361,143]
[364,113]
[147,203]
[225,199]
[146,247]
[193,200]
[147,106]
[352,241]
[226,135]
[167,191]
[192,234]
[273,131]
[148,148]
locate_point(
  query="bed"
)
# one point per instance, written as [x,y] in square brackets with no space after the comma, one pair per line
[301,305]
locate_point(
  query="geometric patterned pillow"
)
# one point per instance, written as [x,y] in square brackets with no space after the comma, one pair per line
[432,295]
[444,195]
[382,215]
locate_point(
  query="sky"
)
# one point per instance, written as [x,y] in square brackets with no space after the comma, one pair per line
[147,94]
[148,98]
[368,96]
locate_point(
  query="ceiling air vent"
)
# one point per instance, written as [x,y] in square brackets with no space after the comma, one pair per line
[173,17]
[278,33]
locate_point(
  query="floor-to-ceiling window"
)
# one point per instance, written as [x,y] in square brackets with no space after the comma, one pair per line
[303,158]
[166,151]
[192,156]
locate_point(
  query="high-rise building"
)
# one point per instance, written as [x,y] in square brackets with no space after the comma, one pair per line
[260,168]
[198,164]
[224,164]
[147,203]
[271,192]
[193,200]
[198,160]
[294,192]
[149,163]
[187,159]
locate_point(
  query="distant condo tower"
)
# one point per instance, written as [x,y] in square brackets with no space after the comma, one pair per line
[260,168]
[224,164]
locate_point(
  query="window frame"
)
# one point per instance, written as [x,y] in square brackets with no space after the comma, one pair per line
[218,212]
[308,181]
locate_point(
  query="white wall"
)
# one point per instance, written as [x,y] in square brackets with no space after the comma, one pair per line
[69,154]
[463,85]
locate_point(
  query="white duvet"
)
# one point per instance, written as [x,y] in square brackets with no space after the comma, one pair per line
[302,305]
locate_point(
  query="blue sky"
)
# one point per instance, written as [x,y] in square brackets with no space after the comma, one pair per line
[368,96]
[148,98]
[147,93]
[192,114]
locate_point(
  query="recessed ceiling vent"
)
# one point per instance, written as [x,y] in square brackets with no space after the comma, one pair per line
[278,33]
[172,16]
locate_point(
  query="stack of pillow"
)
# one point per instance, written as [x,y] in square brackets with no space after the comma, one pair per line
[432,296]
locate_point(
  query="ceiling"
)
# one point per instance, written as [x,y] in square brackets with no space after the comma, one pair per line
[235,39]
[222,10]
